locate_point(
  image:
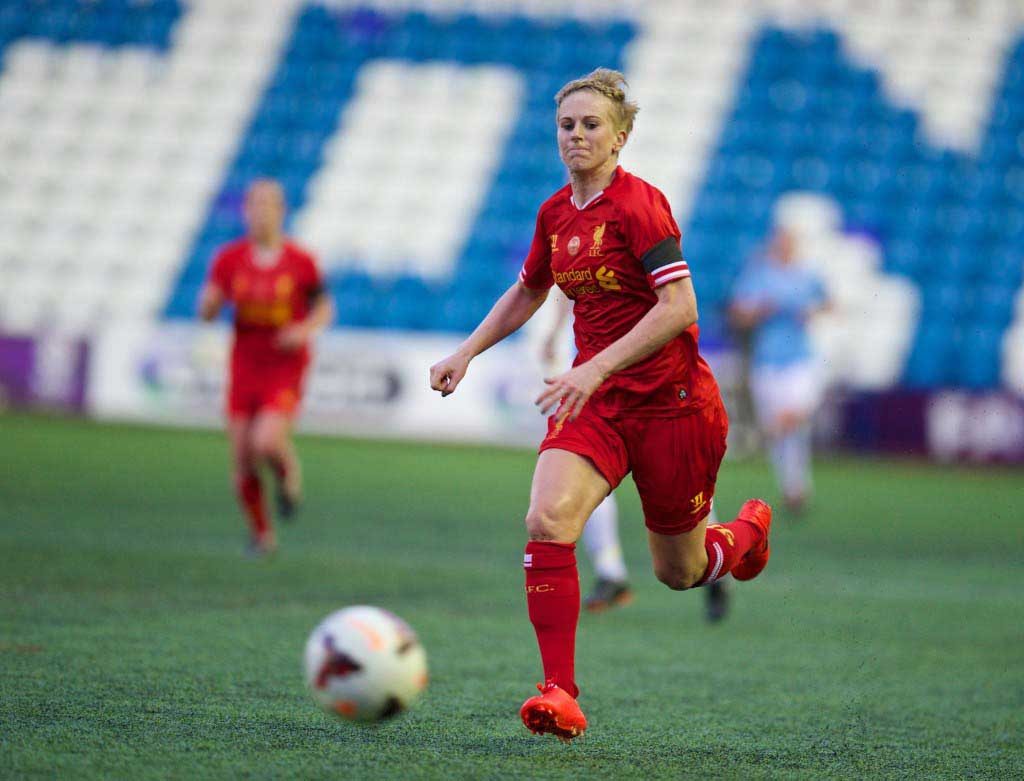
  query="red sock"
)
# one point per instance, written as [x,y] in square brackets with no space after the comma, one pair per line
[250,496]
[553,601]
[726,544]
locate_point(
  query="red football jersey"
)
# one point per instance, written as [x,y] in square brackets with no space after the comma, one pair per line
[608,257]
[266,297]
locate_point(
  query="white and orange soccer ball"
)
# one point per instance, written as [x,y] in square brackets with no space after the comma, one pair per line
[365,664]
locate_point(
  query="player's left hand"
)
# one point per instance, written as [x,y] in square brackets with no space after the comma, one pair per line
[572,388]
[292,337]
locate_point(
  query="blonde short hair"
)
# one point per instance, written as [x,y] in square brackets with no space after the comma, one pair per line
[612,85]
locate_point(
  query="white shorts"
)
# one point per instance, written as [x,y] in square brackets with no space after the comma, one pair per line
[777,390]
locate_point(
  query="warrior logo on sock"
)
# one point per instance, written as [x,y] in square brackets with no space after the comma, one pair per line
[337,664]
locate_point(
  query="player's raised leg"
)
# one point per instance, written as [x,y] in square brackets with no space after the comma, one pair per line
[677,495]
[272,445]
[708,552]
[248,487]
[566,489]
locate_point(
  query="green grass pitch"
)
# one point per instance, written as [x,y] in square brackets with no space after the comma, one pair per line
[885,640]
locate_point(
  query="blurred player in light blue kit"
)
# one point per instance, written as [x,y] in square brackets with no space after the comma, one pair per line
[601,532]
[774,299]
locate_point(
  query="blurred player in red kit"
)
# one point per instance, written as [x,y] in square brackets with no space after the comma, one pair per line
[280,304]
[639,398]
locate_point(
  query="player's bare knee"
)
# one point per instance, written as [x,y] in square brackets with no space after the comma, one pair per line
[539,525]
[544,524]
[671,577]
[677,578]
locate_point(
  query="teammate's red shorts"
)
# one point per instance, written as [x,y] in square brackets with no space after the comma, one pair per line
[275,391]
[674,461]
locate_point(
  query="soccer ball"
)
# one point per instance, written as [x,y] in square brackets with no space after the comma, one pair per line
[364,664]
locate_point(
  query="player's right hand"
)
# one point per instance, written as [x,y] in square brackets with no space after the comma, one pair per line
[446,374]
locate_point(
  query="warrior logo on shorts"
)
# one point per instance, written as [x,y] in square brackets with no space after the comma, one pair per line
[574,245]
[697,503]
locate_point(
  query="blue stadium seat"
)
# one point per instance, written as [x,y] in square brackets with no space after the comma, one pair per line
[992,306]
[408,304]
[460,313]
[1004,267]
[979,357]
[931,359]
[354,309]
[903,257]
[942,303]
[355,299]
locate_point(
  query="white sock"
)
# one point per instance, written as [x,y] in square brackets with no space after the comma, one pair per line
[791,456]
[601,539]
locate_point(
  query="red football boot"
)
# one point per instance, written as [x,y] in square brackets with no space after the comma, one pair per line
[553,711]
[760,514]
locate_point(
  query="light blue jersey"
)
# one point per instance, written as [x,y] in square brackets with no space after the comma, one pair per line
[792,292]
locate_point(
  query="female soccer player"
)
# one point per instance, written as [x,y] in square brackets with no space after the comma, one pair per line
[280,305]
[638,398]
[774,298]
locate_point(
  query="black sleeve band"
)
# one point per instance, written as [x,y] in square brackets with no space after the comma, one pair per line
[661,254]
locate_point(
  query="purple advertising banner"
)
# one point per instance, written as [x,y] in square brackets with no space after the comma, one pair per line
[888,422]
[947,425]
[47,371]
[17,357]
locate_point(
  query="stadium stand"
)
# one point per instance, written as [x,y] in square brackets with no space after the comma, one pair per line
[130,129]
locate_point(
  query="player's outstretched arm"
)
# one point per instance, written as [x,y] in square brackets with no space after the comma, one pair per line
[515,307]
[211,299]
[675,311]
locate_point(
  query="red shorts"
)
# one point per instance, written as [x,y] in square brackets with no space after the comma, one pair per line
[279,392]
[674,461]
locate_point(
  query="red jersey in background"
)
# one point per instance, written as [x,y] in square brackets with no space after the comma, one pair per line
[267,297]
